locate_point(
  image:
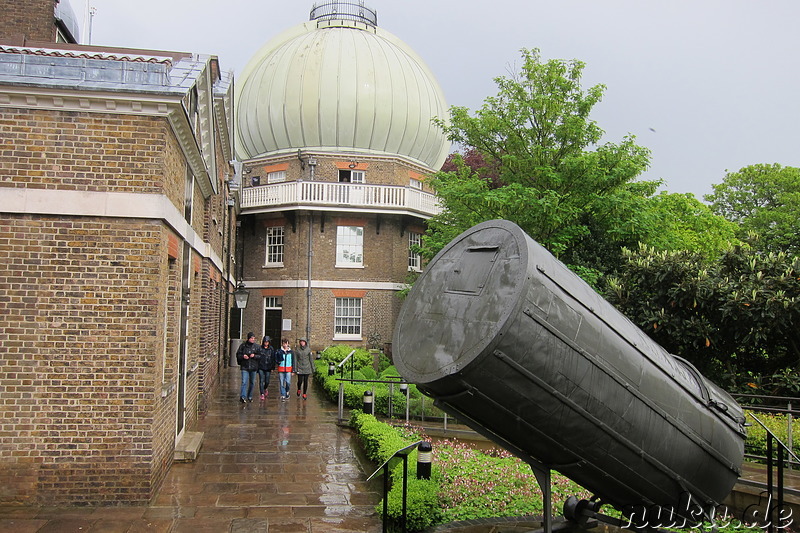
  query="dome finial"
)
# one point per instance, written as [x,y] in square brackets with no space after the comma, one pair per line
[355,11]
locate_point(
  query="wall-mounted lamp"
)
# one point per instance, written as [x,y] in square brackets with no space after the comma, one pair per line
[240,295]
[352,164]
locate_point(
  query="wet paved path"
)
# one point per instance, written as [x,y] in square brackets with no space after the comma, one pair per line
[267,466]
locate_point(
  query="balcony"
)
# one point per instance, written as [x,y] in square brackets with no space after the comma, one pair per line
[329,196]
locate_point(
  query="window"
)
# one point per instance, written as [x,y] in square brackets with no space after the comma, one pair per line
[414,259]
[350,246]
[351,176]
[276,177]
[188,196]
[415,184]
[347,318]
[275,246]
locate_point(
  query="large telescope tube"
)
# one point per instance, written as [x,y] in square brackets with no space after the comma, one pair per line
[510,341]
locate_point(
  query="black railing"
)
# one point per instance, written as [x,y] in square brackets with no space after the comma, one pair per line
[774,405]
[776,515]
[355,11]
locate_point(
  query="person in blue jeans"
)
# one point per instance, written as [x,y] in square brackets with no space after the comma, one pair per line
[266,364]
[246,356]
[285,356]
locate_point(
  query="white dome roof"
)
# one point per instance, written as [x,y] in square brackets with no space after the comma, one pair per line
[342,86]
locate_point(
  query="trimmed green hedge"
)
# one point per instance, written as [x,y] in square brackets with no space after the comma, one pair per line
[380,442]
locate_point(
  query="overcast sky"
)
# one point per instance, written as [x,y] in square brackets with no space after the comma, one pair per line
[706,85]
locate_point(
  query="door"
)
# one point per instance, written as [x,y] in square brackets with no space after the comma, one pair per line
[273,316]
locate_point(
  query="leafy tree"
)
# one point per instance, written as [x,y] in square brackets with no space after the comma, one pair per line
[679,221]
[733,316]
[764,199]
[665,221]
[542,166]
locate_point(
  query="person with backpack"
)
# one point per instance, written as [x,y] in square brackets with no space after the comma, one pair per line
[285,359]
[266,364]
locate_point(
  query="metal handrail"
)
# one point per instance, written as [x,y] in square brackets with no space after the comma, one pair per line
[340,10]
[790,410]
[782,448]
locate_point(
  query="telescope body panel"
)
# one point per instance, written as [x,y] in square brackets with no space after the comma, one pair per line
[509,340]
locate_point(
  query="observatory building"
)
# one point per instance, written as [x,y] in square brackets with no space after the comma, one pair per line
[334,129]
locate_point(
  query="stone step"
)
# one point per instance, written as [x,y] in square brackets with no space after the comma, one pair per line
[187,448]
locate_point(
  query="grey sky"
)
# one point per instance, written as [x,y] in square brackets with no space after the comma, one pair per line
[706,85]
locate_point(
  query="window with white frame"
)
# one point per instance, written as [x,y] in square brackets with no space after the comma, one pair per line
[352,176]
[347,318]
[350,246]
[275,246]
[415,184]
[276,177]
[414,259]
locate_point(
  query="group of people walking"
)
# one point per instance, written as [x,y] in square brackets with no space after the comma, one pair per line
[261,361]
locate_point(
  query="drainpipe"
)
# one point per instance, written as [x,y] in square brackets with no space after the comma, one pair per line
[308,289]
[226,299]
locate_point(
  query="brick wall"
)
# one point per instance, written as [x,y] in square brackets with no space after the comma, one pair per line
[80,333]
[32,19]
[90,328]
[75,151]
[378,170]
[385,261]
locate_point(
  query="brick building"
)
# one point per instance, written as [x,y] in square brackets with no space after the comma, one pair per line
[115,257]
[334,129]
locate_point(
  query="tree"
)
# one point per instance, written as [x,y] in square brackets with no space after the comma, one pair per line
[764,199]
[542,166]
[732,316]
[634,216]
[679,221]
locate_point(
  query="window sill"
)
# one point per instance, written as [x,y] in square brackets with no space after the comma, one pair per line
[342,337]
[349,266]
[273,265]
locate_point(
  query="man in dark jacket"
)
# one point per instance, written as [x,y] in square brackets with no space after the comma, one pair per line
[266,364]
[247,357]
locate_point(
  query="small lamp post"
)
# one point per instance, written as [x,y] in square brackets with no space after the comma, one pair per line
[424,453]
[368,404]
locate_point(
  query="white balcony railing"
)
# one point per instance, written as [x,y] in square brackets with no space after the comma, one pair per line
[343,195]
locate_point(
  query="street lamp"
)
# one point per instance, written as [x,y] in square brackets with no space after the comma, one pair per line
[241,295]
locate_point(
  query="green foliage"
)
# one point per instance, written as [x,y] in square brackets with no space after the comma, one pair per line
[756,442]
[339,352]
[678,222]
[380,442]
[542,165]
[369,373]
[762,199]
[465,483]
[389,372]
[728,316]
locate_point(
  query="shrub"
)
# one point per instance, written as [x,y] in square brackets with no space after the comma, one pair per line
[380,442]
[338,353]
[778,424]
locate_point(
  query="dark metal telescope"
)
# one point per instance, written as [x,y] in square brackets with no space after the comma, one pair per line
[507,339]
